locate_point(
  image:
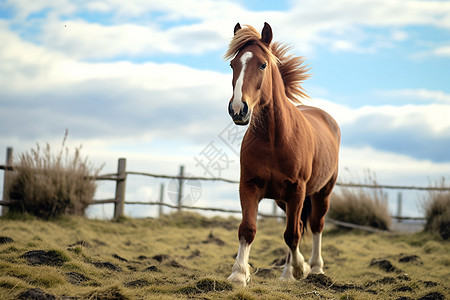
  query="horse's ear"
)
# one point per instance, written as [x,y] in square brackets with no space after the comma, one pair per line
[236,28]
[266,34]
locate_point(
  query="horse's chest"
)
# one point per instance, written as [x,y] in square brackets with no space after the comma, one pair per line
[283,173]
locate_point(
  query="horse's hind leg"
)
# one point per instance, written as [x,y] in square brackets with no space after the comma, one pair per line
[320,203]
[316,224]
[295,267]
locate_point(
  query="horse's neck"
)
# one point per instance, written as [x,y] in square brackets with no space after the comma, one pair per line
[277,119]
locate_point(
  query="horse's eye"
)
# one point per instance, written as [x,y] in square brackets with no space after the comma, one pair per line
[263,66]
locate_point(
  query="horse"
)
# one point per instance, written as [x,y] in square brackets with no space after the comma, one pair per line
[289,152]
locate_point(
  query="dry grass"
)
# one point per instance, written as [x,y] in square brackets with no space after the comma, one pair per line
[47,184]
[361,206]
[437,210]
[187,256]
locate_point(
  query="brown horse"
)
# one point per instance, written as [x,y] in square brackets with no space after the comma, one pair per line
[289,153]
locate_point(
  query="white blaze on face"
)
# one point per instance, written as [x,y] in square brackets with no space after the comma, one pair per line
[237,103]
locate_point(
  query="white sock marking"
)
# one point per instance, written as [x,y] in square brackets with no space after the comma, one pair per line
[296,268]
[316,261]
[241,271]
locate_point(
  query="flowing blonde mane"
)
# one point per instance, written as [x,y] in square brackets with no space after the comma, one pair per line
[291,68]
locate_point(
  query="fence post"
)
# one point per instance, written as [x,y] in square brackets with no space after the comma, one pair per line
[161,200]
[180,187]
[274,209]
[399,207]
[120,188]
[8,163]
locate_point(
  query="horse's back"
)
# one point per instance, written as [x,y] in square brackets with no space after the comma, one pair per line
[321,120]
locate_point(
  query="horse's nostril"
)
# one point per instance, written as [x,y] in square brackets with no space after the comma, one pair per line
[230,109]
[245,109]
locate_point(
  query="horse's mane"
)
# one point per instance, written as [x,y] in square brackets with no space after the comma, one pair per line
[291,68]
[243,37]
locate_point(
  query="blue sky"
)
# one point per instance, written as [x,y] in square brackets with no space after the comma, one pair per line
[146,80]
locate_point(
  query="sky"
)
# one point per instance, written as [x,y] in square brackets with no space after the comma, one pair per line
[146,80]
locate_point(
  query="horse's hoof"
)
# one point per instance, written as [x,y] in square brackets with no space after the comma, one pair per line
[287,278]
[316,266]
[302,273]
[317,270]
[238,278]
[287,274]
[306,270]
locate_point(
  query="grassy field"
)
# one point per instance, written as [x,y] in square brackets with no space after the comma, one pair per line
[188,256]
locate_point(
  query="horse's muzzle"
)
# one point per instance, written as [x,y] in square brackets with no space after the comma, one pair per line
[243,117]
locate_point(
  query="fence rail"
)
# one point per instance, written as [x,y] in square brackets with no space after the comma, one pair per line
[356,185]
[121,177]
[394,187]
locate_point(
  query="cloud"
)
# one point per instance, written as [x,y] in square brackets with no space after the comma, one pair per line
[44,92]
[414,137]
[443,51]
[418,131]
[138,29]
[358,26]
[40,68]
[421,95]
[127,40]
[142,29]
[390,168]
[340,14]
[24,9]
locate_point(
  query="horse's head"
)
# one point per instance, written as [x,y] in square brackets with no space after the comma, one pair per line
[250,65]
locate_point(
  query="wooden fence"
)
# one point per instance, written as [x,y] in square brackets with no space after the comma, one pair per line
[121,177]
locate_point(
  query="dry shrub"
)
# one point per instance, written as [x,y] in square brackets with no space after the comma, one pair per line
[437,210]
[48,185]
[361,206]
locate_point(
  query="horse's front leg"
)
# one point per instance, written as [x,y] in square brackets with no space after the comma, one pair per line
[295,266]
[250,197]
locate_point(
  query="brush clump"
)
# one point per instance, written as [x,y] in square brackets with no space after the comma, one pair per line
[361,206]
[437,210]
[48,185]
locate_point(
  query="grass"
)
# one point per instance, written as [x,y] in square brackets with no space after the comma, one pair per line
[188,256]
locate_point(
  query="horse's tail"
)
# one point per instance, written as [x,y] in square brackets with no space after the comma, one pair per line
[306,213]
